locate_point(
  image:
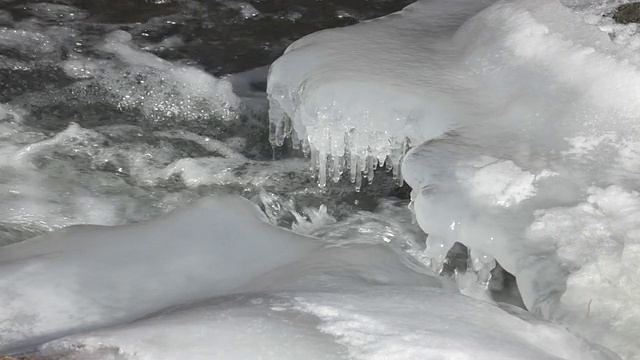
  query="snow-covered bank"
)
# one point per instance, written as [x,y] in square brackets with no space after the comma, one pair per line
[215,281]
[87,277]
[523,117]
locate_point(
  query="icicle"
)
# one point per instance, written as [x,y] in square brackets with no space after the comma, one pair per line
[280,132]
[482,265]
[360,164]
[287,127]
[313,163]
[279,124]
[272,132]
[388,163]
[353,169]
[295,140]
[399,179]
[370,165]
[306,147]
[365,168]
[404,149]
[436,252]
[358,179]
[337,168]
[322,169]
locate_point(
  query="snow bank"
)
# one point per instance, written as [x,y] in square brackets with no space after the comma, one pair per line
[87,276]
[348,302]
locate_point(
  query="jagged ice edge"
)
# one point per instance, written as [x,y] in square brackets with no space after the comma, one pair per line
[338,150]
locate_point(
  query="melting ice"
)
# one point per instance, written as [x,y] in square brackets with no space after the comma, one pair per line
[523,122]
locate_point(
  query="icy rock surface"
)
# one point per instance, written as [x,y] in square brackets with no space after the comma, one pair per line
[523,118]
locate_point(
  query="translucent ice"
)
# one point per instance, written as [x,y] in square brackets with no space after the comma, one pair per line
[523,118]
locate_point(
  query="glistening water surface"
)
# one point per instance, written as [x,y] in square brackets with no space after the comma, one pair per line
[118,111]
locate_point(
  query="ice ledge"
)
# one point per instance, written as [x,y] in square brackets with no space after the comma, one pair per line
[357,97]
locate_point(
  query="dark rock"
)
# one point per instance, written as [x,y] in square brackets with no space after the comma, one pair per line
[627,13]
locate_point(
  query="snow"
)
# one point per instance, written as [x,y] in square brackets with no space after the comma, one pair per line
[249,290]
[522,119]
[86,277]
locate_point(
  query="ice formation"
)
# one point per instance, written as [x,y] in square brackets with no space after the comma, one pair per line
[523,122]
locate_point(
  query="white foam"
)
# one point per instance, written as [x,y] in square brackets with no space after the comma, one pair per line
[56,12]
[115,174]
[161,90]
[26,42]
[247,11]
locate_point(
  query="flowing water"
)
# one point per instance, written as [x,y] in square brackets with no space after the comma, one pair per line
[117,111]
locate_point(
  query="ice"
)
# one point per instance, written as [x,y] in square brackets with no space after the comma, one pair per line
[503,182]
[316,85]
[600,238]
[87,277]
[523,122]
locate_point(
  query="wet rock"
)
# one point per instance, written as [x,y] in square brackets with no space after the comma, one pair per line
[627,13]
